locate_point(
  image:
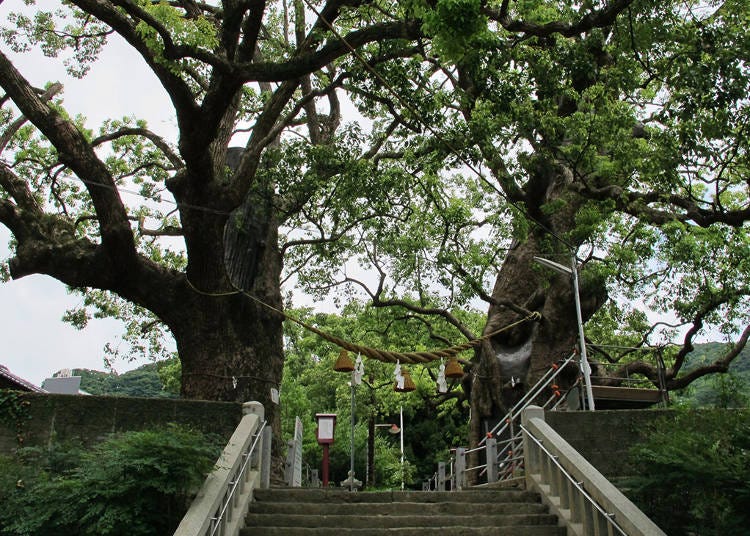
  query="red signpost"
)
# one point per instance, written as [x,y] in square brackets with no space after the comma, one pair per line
[325,432]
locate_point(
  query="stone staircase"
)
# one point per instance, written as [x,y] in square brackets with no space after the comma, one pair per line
[489,512]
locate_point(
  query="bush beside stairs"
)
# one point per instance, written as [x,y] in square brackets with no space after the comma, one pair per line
[487,512]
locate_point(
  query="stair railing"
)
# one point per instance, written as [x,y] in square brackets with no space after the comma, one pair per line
[573,489]
[220,506]
[508,453]
[538,388]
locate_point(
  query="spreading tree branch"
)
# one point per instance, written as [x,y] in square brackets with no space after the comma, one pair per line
[595,19]
[78,155]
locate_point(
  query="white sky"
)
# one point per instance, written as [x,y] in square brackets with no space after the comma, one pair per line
[34,342]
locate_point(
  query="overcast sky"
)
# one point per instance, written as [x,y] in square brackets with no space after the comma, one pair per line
[34,342]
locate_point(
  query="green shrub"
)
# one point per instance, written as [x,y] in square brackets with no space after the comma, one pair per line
[695,473]
[136,483]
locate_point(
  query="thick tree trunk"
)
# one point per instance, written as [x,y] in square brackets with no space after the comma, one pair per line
[511,362]
[231,347]
[227,323]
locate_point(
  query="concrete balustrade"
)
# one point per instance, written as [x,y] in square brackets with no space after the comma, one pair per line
[222,503]
[575,490]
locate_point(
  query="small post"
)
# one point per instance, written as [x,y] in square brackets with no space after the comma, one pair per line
[265,460]
[289,463]
[460,470]
[441,476]
[532,461]
[452,476]
[254,408]
[491,453]
[325,465]
[314,479]
[263,454]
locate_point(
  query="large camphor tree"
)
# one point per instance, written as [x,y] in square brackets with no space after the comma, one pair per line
[496,132]
[614,132]
[263,73]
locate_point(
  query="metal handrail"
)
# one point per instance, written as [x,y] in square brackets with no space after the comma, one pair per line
[475,468]
[554,459]
[236,480]
[511,420]
[530,395]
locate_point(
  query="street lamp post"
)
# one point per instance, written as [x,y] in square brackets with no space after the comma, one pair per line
[584,363]
[393,429]
[351,441]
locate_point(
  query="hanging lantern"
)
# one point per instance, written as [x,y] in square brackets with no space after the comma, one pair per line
[344,363]
[453,369]
[408,386]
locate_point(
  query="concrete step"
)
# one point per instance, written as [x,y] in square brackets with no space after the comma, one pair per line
[400,508]
[297,495]
[300,512]
[367,520]
[408,531]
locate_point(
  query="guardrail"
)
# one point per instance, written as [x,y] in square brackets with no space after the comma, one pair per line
[502,447]
[220,507]
[536,390]
[574,489]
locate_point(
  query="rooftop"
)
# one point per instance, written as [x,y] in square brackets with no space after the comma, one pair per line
[9,380]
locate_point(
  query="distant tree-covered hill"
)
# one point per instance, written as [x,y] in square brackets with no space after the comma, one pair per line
[717,390]
[143,381]
[711,351]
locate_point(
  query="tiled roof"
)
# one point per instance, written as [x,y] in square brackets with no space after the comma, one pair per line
[8,375]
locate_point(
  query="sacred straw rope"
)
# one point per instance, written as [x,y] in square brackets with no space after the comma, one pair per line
[373,353]
[402,357]
[410,357]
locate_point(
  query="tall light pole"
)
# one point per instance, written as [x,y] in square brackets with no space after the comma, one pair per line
[584,364]
[351,440]
[401,423]
[359,370]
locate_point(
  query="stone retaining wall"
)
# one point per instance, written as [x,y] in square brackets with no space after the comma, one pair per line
[88,419]
[604,438]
